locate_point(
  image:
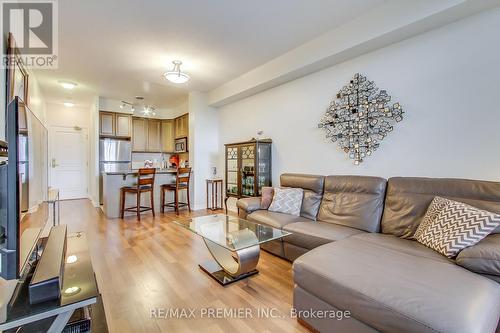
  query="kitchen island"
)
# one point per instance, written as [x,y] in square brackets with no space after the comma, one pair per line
[114,181]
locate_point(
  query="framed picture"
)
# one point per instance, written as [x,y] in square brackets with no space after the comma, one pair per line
[17,76]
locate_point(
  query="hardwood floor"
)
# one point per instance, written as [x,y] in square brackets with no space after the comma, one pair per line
[153,263]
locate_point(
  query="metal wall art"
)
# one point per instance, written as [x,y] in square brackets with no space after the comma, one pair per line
[360,117]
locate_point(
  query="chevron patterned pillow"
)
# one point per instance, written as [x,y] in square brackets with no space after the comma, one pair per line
[450,226]
[433,211]
[287,200]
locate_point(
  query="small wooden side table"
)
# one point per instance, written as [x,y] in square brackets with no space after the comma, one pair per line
[214,197]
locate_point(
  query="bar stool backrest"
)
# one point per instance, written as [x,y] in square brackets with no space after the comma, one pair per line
[182,177]
[146,177]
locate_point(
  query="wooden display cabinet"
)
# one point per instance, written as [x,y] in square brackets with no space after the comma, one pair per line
[248,168]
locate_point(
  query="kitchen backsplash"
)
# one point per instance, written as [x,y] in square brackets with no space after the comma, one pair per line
[138,159]
[157,158]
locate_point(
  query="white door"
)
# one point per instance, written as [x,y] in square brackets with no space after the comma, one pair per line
[68,161]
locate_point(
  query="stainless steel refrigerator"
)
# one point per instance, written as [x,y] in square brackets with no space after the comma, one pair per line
[114,156]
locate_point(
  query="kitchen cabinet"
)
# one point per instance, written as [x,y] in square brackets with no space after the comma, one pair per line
[157,135]
[182,126]
[154,135]
[123,125]
[167,136]
[146,135]
[106,123]
[114,124]
[139,134]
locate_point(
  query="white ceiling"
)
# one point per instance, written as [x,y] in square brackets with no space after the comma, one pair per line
[120,48]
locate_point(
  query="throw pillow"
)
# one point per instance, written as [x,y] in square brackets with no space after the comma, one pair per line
[455,227]
[433,211]
[310,205]
[287,200]
[267,197]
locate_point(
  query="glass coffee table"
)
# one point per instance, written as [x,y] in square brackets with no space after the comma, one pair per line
[234,244]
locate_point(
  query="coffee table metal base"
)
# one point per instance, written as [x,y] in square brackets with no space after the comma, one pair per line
[212,268]
[231,266]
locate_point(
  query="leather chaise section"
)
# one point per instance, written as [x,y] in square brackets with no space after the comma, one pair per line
[304,301]
[398,289]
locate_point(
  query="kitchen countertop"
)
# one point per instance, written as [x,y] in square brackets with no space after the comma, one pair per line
[113,182]
[134,172]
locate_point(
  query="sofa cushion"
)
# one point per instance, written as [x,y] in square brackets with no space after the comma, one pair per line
[353,201]
[313,234]
[407,200]
[313,191]
[482,258]
[455,227]
[273,219]
[397,285]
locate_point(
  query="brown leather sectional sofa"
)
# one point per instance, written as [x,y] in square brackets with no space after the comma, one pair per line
[353,251]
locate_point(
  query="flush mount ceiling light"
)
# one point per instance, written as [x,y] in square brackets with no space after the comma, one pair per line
[175,75]
[71,259]
[69,104]
[68,85]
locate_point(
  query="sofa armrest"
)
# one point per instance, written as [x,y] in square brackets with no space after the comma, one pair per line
[247,206]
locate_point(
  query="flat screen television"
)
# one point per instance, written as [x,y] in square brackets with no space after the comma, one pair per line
[23,189]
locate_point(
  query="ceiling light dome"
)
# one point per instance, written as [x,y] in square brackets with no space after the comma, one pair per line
[175,75]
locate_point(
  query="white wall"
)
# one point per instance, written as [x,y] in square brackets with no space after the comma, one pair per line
[36,101]
[94,152]
[203,145]
[447,81]
[59,115]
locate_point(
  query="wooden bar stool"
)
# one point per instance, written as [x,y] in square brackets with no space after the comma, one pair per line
[145,183]
[181,183]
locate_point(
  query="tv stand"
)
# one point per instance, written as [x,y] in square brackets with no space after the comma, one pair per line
[79,289]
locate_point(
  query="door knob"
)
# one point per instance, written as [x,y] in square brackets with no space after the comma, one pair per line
[54,164]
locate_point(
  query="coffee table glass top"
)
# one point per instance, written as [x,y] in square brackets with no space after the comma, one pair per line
[231,232]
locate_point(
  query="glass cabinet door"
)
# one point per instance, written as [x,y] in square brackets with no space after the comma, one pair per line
[264,166]
[232,170]
[247,170]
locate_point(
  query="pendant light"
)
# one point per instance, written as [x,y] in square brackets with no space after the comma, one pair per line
[175,75]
